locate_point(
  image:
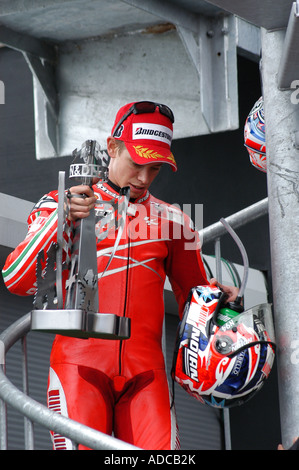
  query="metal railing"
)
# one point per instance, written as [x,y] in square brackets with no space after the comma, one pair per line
[78,433]
[36,412]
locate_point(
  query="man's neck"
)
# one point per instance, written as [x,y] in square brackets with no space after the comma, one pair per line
[114,186]
[117,189]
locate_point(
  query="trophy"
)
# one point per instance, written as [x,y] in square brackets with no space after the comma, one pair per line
[77,313]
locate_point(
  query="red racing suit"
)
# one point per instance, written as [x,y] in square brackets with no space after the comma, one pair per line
[113,385]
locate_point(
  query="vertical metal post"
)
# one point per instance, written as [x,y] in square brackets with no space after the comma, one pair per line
[226,417]
[3,412]
[28,425]
[282,122]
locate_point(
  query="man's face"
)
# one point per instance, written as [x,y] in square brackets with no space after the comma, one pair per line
[123,171]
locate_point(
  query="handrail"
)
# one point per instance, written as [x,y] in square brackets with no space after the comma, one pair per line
[244,216]
[36,412]
[39,413]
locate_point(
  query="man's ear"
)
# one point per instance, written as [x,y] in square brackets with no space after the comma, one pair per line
[111,147]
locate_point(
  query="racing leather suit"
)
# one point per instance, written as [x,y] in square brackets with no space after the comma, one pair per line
[113,385]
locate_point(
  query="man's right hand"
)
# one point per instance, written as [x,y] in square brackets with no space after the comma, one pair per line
[80,207]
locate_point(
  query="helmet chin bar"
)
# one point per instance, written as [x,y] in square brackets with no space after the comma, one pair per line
[78,314]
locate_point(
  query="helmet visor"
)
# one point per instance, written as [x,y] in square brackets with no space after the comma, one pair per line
[254,326]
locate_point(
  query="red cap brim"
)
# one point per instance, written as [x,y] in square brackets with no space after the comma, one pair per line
[143,154]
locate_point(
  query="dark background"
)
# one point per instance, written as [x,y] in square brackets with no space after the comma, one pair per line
[214,170]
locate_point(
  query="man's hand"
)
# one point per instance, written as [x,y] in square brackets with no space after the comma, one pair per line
[294,446]
[231,291]
[81,200]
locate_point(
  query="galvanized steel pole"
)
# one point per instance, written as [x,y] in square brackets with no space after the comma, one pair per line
[38,413]
[282,123]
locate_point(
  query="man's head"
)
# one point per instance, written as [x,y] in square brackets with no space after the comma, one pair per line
[146,129]
[139,144]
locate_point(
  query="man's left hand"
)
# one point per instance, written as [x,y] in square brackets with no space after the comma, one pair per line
[231,291]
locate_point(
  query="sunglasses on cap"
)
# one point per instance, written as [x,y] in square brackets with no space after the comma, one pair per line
[144,107]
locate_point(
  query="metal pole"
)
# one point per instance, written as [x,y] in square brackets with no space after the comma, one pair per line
[282,122]
[41,414]
[238,219]
[3,418]
[28,424]
[226,417]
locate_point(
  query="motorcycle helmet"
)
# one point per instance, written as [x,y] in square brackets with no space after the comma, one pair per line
[222,357]
[254,136]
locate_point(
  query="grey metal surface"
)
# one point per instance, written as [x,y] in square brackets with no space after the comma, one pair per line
[82,284]
[216,47]
[13,216]
[288,67]
[112,58]
[282,120]
[68,20]
[268,14]
[99,76]
[61,217]
[61,20]
[80,324]
[58,321]
[107,53]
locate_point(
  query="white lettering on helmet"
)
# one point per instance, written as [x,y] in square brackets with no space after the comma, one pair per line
[191,355]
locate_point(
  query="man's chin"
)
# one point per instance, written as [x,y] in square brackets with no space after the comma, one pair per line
[135,191]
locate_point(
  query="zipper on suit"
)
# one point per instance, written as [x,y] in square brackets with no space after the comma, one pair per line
[125,305]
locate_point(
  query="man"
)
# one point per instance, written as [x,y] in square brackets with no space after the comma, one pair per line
[121,386]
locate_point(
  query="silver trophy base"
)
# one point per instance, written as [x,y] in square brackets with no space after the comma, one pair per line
[80,324]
